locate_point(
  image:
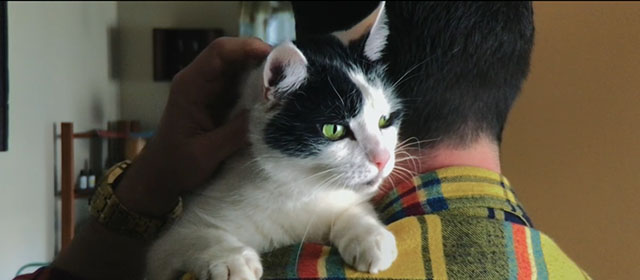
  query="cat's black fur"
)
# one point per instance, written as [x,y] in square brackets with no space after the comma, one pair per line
[328,95]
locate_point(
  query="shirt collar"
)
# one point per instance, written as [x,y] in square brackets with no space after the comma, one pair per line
[457,190]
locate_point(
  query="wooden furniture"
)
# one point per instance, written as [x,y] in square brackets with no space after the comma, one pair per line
[118,135]
[67,179]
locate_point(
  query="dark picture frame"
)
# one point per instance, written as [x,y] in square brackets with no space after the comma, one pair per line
[4,79]
[175,48]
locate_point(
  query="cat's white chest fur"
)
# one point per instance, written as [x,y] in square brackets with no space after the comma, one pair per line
[242,214]
[263,212]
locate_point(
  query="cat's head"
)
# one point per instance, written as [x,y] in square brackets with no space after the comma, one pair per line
[328,116]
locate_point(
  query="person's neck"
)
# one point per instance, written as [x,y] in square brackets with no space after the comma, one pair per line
[482,153]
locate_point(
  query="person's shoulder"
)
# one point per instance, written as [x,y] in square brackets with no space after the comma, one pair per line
[439,246]
[501,248]
[557,262]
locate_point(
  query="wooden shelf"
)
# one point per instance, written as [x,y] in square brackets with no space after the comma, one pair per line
[124,139]
[67,179]
[80,193]
[106,134]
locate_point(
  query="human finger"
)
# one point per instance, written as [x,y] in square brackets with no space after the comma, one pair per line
[229,53]
[215,75]
[217,145]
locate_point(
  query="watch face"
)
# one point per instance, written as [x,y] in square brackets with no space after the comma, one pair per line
[123,167]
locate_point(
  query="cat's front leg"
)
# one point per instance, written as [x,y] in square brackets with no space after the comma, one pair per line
[208,253]
[362,240]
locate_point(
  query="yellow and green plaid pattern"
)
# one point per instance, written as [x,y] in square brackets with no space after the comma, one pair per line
[453,223]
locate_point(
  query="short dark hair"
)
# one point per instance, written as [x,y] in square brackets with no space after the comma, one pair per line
[459,66]
[323,17]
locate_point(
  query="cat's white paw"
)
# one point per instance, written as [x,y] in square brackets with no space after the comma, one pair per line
[238,264]
[370,251]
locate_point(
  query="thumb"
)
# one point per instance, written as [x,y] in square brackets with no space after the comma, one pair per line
[225,140]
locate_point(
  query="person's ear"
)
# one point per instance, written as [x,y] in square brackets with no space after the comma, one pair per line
[284,71]
[376,26]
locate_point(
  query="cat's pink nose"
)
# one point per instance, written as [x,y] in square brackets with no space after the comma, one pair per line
[380,159]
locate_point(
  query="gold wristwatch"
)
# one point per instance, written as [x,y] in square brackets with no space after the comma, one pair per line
[108,210]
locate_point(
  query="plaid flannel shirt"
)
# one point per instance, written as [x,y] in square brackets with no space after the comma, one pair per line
[453,223]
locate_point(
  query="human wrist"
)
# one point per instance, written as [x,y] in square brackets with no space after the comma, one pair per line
[143,191]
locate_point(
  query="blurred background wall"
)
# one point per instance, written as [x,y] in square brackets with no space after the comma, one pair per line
[571,146]
[143,98]
[60,64]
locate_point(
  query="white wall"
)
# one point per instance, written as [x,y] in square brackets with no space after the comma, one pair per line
[59,68]
[142,98]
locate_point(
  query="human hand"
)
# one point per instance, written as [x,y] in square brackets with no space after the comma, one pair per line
[192,140]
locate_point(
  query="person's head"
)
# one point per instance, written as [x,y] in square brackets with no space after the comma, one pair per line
[458,65]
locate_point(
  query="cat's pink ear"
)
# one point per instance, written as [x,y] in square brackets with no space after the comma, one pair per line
[376,26]
[284,70]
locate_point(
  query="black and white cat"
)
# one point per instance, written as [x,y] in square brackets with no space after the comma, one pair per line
[323,129]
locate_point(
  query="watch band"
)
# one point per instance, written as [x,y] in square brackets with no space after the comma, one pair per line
[108,211]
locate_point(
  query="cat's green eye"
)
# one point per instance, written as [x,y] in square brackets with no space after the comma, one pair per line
[384,122]
[333,131]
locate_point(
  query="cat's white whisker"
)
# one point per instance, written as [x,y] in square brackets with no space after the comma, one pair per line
[304,236]
[408,156]
[404,169]
[335,178]
[336,91]
[411,160]
[416,142]
[410,70]
[384,186]
[257,159]
[318,174]
[408,173]
[405,159]
[407,140]
[405,174]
